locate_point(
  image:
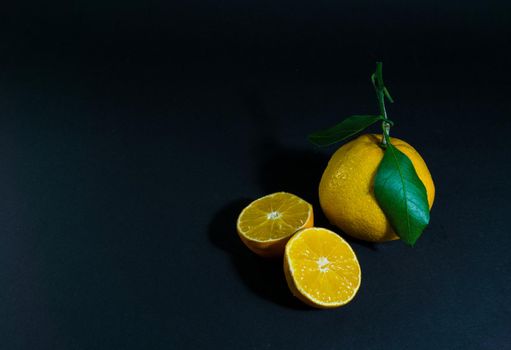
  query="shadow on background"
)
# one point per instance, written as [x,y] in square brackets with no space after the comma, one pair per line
[293,170]
[265,277]
[280,167]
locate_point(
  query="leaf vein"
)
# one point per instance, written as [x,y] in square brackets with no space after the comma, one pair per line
[401,176]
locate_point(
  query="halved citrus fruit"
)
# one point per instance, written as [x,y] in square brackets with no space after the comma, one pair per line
[267,223]
[321,268]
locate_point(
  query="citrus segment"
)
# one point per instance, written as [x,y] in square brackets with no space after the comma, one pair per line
[267,223]
[321,268]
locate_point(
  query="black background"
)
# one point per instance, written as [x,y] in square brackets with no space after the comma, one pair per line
[132,134]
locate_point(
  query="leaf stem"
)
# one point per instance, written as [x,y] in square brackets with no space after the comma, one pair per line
[381,93]
[385,140]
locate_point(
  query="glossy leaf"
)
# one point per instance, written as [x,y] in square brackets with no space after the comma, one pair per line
[401,195]
[348,127]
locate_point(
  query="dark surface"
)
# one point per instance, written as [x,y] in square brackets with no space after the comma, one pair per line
[132,134]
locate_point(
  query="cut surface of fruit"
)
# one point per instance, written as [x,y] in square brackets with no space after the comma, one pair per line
[321,268]
[267,223]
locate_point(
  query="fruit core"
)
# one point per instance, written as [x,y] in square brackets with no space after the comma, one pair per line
[273,215]
[323,264]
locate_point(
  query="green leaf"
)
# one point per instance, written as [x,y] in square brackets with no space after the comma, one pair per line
[401,195]
[348,127]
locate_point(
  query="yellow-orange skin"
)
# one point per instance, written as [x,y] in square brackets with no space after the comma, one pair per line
[346,189]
